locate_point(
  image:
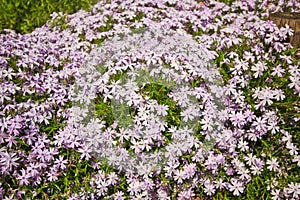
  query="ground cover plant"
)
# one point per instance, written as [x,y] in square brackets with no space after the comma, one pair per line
[43,155]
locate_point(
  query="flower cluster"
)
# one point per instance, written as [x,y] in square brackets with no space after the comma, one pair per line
[253,121]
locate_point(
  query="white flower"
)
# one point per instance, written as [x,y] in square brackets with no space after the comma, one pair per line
[236,187]
[119,195]
[272,164]
[275,194]
[293,189]
[179,176]
[259,68]
[278,71]
[297,160]
[243,145]
[163,195]
[209,188]
[292,147]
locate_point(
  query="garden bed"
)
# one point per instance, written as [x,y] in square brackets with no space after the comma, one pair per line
[152,100]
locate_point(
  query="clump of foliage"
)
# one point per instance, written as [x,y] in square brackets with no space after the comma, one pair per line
[24,16]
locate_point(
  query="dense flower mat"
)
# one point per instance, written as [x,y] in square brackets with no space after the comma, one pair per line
[255,154]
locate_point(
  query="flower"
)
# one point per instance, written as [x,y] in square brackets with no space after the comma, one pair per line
[260,124]
[259,68]
[276,194]
[243,145]
[293,190]
[219,184]
[278,71]
[209,188]
[179,176]
[237,119]
[273,164]
[292,147]
[162,194]
[24,177]
[52,175]
[8,161]
[297,159]
[236,187]
[186,194]
[61,163]
[244,174]
[119,195]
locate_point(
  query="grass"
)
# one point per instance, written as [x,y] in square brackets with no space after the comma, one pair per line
[24,16]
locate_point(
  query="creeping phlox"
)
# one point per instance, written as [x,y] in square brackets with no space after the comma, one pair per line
[171,59]
[151,99]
